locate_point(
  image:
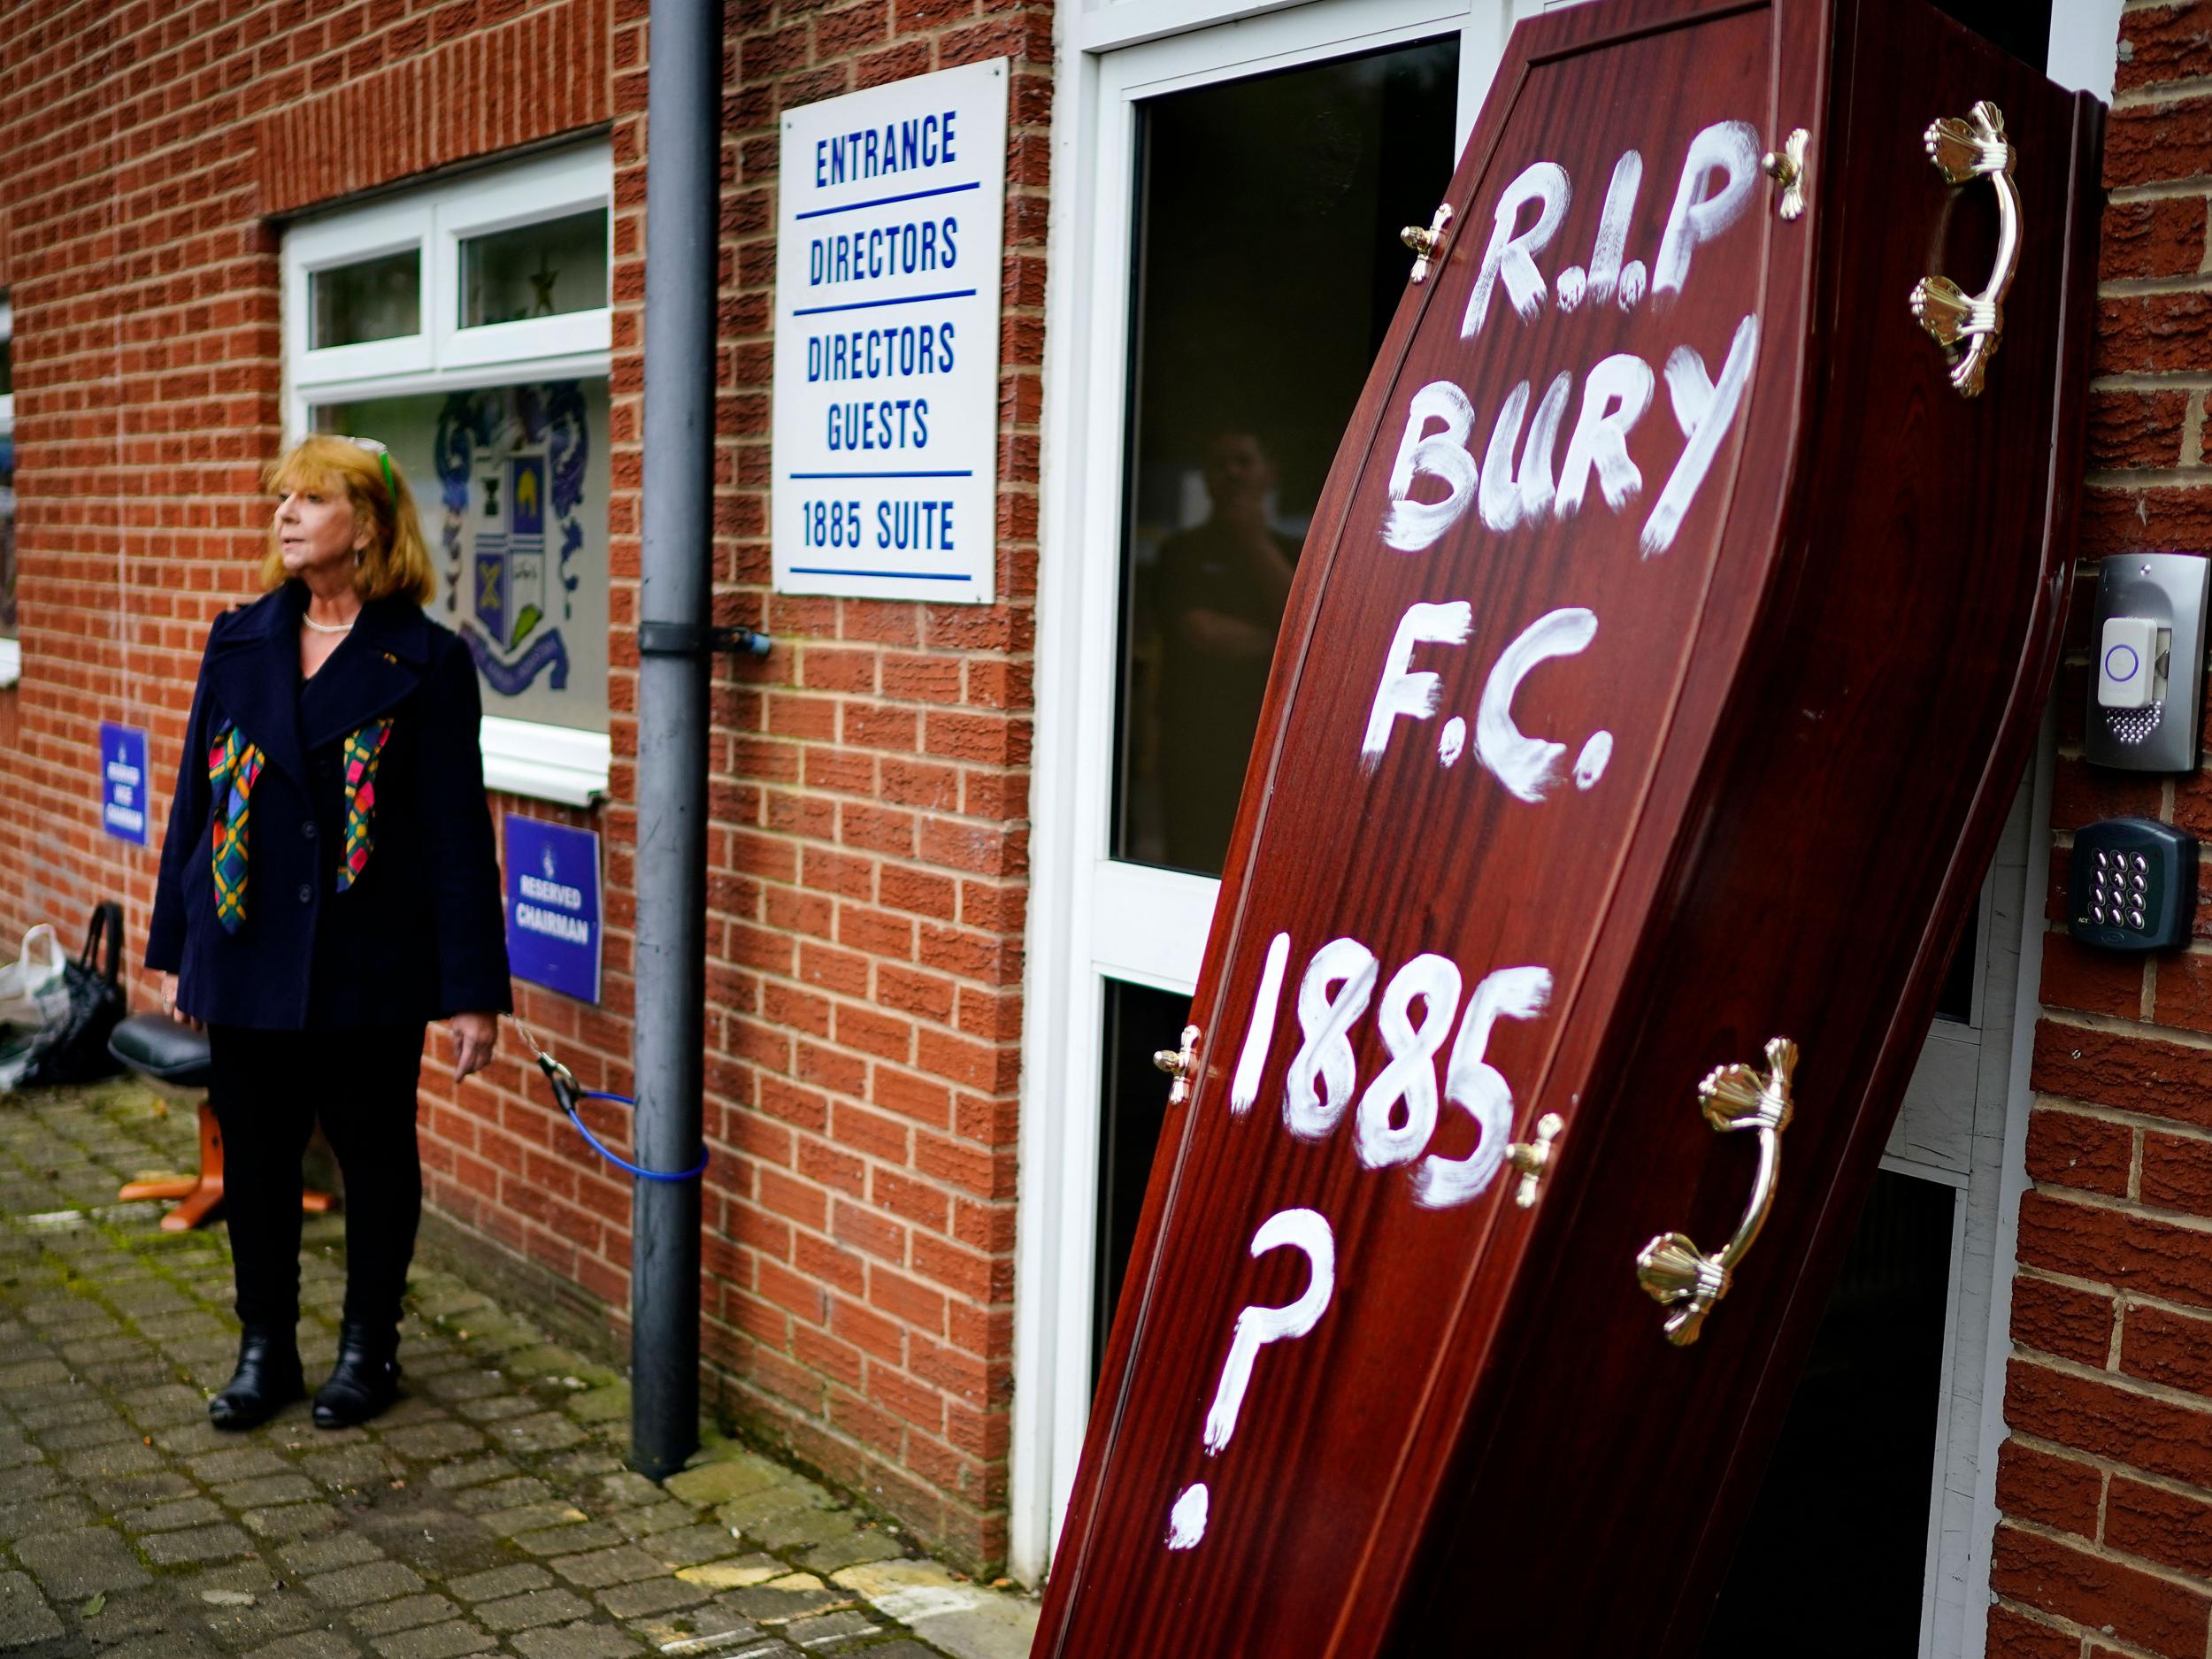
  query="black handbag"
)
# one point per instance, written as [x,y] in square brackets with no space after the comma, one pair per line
[74,1048]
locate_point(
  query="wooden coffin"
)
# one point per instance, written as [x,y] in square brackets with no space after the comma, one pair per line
[1580,782]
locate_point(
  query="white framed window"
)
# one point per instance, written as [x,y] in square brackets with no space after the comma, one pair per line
[11,653]
[468,325]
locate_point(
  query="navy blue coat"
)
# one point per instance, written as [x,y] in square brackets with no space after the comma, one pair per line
[419,935]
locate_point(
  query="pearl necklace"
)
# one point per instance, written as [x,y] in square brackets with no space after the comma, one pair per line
[327,627]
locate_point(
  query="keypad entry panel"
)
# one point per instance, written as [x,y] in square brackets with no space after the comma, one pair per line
[2134,884]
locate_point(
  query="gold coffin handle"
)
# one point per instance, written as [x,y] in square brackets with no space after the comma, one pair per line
[1962,151]
[1673,1271]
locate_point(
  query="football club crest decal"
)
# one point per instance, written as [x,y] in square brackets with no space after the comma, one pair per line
[511,473]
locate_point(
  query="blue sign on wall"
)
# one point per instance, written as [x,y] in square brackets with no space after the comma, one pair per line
[553,915]
[123,782]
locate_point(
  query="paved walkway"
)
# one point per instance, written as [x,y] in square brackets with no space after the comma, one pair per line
[488,1512]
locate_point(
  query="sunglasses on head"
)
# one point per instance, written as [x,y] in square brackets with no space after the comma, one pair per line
[377,449]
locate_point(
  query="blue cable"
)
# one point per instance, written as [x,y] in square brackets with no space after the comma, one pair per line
[567,1093]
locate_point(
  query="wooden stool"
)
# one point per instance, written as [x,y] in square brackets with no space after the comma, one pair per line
[156,1047]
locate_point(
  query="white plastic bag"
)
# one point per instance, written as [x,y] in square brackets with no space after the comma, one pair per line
[34,988]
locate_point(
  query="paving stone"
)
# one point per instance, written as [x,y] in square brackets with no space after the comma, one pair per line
[825,1629]
[566,1540]
[126,1457]
[864,1544]
[497,1408]
[531,1516]
[729,1477]
[424,1442]
[239,1462]
[652,1595]
[688,1546]
[357,1465]
[962,1618]
[545,1432]
[107,1427]
[471,1472]
[321,1554]
[623,1564]
[469,1385]
[266,1491]
[72,1565]
[25,1616]
[500,1582]
[292,1520]
[435,1641]
[535,1606]
[312,1644]
[131,1492]
[198,1543]
[381,1618]
[503,1495]
[581,1641]
[774,1604]
[375,1580]
[165,1517]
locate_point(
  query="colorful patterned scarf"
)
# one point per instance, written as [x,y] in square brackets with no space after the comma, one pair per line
[233,765]
[364,748]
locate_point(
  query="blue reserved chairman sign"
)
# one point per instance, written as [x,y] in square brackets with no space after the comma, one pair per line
[123,782]
[553,911]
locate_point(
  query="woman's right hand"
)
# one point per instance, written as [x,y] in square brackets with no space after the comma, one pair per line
[169,1004]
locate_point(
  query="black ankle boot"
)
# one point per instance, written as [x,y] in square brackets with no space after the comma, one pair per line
[267,1378]
[365,1381]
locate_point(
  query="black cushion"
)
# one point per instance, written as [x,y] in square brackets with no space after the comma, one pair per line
[155,1046]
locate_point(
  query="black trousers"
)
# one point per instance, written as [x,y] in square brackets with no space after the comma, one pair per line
[268,1088]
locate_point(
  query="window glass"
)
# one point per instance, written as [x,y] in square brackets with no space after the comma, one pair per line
[1132,1100]
[7,367]
[1267,266]
[1841,1518]
[375,299]
[539,270]
[511,483]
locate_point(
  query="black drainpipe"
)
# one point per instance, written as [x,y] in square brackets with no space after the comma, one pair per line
[682,192]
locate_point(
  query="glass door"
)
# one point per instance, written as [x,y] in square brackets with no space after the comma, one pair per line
[1264,269]
[1237,265]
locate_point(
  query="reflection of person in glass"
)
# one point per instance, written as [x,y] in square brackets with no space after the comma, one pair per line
[1222,587]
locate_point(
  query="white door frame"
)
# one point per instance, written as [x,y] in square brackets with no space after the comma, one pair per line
[1092,916]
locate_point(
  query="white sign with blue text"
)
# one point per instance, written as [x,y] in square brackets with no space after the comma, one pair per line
[889,255]
[553,909]
[123,782]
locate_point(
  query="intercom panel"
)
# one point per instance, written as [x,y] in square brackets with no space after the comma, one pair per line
[2148,637]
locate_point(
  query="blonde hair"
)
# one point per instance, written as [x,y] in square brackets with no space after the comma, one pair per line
[395,561]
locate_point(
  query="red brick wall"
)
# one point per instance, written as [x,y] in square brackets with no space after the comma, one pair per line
[870,783]
[868,882]
[2105,1484]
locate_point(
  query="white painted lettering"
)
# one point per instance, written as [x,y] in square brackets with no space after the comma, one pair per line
[1472,1083]
[1411,525]
[1512,255]
[1413,693]
[1614,399]
[1525,765]
[1732,148]
[1332,996]
[1409,1077]
[1704,410]
[1260,1035]
[1508,498]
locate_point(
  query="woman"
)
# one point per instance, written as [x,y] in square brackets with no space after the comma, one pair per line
[328,886]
